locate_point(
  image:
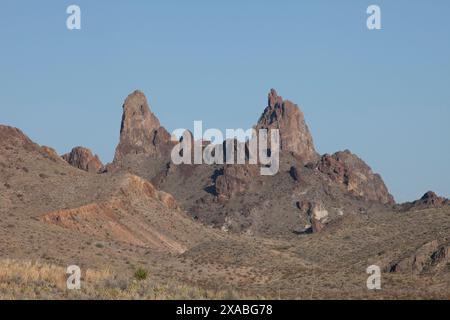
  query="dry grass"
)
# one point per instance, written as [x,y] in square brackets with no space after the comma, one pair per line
[22,280]
[29,272]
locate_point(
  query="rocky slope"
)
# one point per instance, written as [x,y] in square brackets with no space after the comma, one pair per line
[37,184]
[356,177]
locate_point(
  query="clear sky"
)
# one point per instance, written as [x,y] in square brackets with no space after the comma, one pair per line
[385,95]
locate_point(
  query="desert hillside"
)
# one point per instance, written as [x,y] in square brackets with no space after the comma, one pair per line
[141,227]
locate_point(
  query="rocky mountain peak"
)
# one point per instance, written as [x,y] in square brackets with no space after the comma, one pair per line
[355,176]
[433,200]
[82,158]
[289,119]
[430,196]
[274,99]
[427,201]
[140,131]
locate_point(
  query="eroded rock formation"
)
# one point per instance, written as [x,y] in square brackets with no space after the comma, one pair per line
[355,176]
[82,158]
[141,132]
[431,255]
[289,120]
[235,179]
[428,200]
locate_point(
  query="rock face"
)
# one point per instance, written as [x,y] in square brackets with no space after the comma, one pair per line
[82,158]
[234,179]
[317,216]
[289,119]
[430,255]
[428,200]
[355,176]
[432,199]
[141,132]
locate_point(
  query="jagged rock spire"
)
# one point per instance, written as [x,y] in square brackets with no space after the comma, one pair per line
[140,132]
[289,119]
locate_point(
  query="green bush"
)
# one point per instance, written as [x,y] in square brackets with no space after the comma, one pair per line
[141,274]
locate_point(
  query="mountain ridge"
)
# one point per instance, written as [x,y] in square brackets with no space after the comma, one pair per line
[318,222]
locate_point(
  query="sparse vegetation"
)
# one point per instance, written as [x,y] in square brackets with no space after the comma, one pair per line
[36,280]
[141,274]
[130,245]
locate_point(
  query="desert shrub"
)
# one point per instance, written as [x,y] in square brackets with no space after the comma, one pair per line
[141,274]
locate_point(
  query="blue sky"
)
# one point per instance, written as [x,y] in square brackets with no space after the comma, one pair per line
[385,95]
